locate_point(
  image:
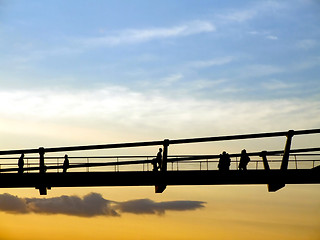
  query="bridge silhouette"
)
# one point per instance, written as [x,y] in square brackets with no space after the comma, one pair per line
[274,168]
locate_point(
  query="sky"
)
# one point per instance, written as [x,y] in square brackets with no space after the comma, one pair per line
[95,72]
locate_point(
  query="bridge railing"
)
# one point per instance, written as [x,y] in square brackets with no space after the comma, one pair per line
[45,163]
[143,163]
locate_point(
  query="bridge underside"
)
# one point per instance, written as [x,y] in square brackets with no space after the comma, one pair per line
[214,177]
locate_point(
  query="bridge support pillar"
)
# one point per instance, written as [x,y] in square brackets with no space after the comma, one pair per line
[42,166]
[286,153]
[161,187]
[42,170]
[43,189]
[165,155]
[273,187]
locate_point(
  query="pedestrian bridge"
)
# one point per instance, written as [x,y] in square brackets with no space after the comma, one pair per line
[273,168]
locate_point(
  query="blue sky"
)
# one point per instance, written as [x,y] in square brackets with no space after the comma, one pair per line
[264,48]
[208,64]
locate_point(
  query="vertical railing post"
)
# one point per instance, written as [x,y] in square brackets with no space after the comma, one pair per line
[286,153]
[42,186]
[165,155]
[41,160]
[263,154]
[284,164]
[87,164]
[237,165]
[159,188]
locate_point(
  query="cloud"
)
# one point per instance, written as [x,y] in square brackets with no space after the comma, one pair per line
[277,85]
[130,36]
[307,44]
[12,204]
[91,205]
[250,12]
[168,81]
[120,111]
[210,63]
[238,15]
[147,206]
[272,37]
[260,70]
[265,34]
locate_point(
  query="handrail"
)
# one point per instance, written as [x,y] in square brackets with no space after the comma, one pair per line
[268,153]
[163,142]
[184,158]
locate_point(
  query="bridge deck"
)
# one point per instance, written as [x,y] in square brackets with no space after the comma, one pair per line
[211,177]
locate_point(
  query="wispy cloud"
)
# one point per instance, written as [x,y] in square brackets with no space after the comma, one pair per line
[117,111]
[307,44]
[128,36]
[259,70]
[277,85]
[167,81]
[238,15]
[206,83]
[91,205]
[272,37]
[264,34]
[211,62]
[250,12]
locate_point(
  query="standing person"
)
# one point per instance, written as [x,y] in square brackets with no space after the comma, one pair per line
[154,164]
[65,163]
[224,161]
[159,158]
[228,161]
[244,160]
[21,163]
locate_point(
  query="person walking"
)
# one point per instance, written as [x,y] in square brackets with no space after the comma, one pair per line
[21,164]
[65,163]
[244,160]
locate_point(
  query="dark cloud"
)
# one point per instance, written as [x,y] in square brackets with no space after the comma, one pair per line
[12,204]
[92,204]
[147,206]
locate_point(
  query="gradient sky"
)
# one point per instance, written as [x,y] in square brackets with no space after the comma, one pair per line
[93,72]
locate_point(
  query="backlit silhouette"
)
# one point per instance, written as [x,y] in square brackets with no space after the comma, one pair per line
[21,163]
[175,169]
[65,163]
[244,160]
[224,162]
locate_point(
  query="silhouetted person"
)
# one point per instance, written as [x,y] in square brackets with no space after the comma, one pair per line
[154,164]
[224,162]
[65,163]
[21,164]
[159,158]
[244,160]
